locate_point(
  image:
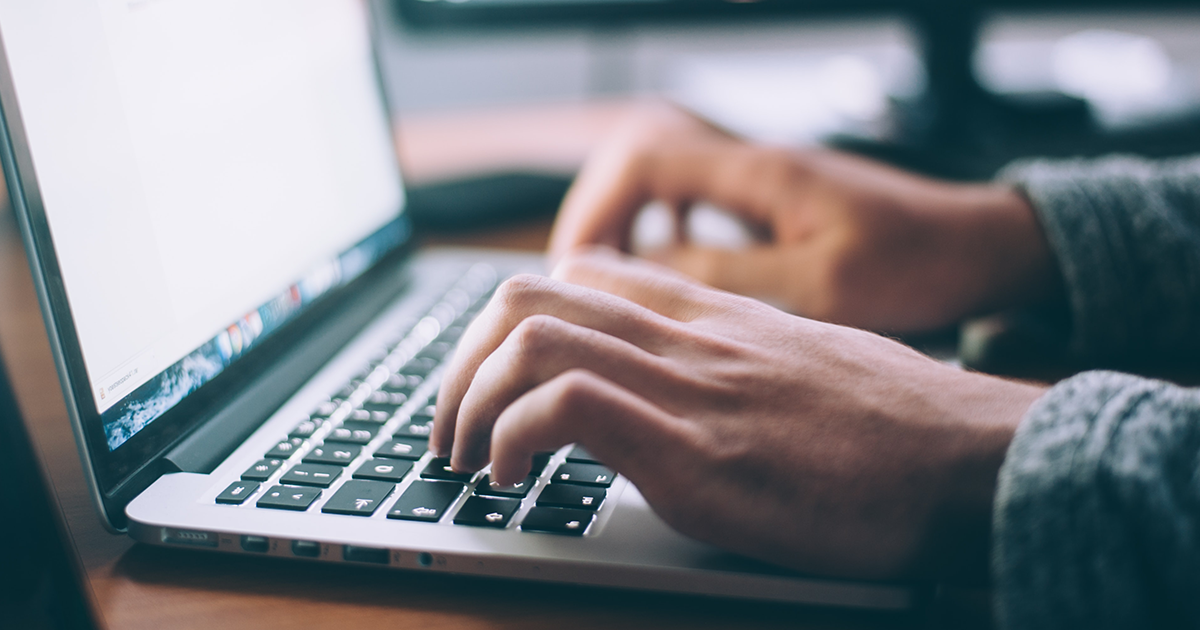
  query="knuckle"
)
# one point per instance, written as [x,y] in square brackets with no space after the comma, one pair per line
[574,389]
[519,291]
[536,335]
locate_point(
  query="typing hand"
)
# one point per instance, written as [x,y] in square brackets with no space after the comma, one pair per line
[845,239]
[823,448]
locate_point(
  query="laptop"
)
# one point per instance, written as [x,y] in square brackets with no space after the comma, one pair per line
[248,342]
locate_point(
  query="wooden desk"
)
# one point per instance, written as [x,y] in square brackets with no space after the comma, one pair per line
[136,586]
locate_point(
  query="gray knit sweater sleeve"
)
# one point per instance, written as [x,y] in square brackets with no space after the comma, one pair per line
[1126,234]
[1097,512]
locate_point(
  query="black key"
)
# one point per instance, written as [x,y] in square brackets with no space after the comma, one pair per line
[326,409]
[584,474]
[426,413]
[517,490]
[415,430]
[572,496]
[319,475]
[339,454]
[237,492]
[353,433]
[437,351]
[403,448]
[404,384]
[284,449]
[540,461]
[451,334]
[367,415]
[487,512]
[385,401]
[289,498]
[383,470]
[557,521]
[579,455]
[420,366]
[305,429]
[425,500]
[263,469]
[358,498]
[439,468]
[350,388]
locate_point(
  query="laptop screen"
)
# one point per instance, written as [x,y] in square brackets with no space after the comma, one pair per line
[207,169]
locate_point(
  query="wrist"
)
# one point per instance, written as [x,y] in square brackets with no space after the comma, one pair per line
[1007,249]
[987,411]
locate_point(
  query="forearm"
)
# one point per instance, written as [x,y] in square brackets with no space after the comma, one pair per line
[1097,508]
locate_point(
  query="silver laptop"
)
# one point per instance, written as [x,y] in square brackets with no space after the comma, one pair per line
[248,346]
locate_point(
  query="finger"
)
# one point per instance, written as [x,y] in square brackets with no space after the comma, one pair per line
[615,184]
[524,296]
[540,348]
[623,430]
[653,286]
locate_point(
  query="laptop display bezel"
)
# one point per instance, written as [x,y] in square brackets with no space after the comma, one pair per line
[116,476]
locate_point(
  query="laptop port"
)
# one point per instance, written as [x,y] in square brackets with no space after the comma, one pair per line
[352,553]
[255,544]
[306,548]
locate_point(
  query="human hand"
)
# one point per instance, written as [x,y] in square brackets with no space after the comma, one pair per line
[823,448]
[846,239]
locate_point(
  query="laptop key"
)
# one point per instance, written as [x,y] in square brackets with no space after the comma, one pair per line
[353,433]
[338,454]
[584,474]
[439,468]
[305,429]
[426,500]
[404,384]
[552,520]
[580,455]
[403,448]
[319,475]
[325,409]
[415,430]
[284,449]
[540,461]
[487,512]
[517,490]
[385,401]
[237,492]
[392,470]
[420,366]
[289,498]
[358,497]
[572,496]
[367,415]
[262,470]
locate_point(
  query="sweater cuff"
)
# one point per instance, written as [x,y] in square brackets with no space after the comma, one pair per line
[1085,515]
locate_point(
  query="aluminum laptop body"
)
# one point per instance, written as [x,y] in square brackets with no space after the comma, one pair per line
[210,199]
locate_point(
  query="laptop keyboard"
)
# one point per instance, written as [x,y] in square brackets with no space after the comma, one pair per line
[379,454]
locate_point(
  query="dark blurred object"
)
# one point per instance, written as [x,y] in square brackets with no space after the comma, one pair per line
[956,129]
[485,201]
[40,579]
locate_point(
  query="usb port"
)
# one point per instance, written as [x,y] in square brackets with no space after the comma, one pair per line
[352,553]
[256,544]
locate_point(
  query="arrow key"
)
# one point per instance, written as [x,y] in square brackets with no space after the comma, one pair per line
[289,498]
[516,491]
[557,521]
[358,497]
[487,512]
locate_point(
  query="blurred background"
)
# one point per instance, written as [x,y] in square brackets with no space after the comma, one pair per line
[955,89]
